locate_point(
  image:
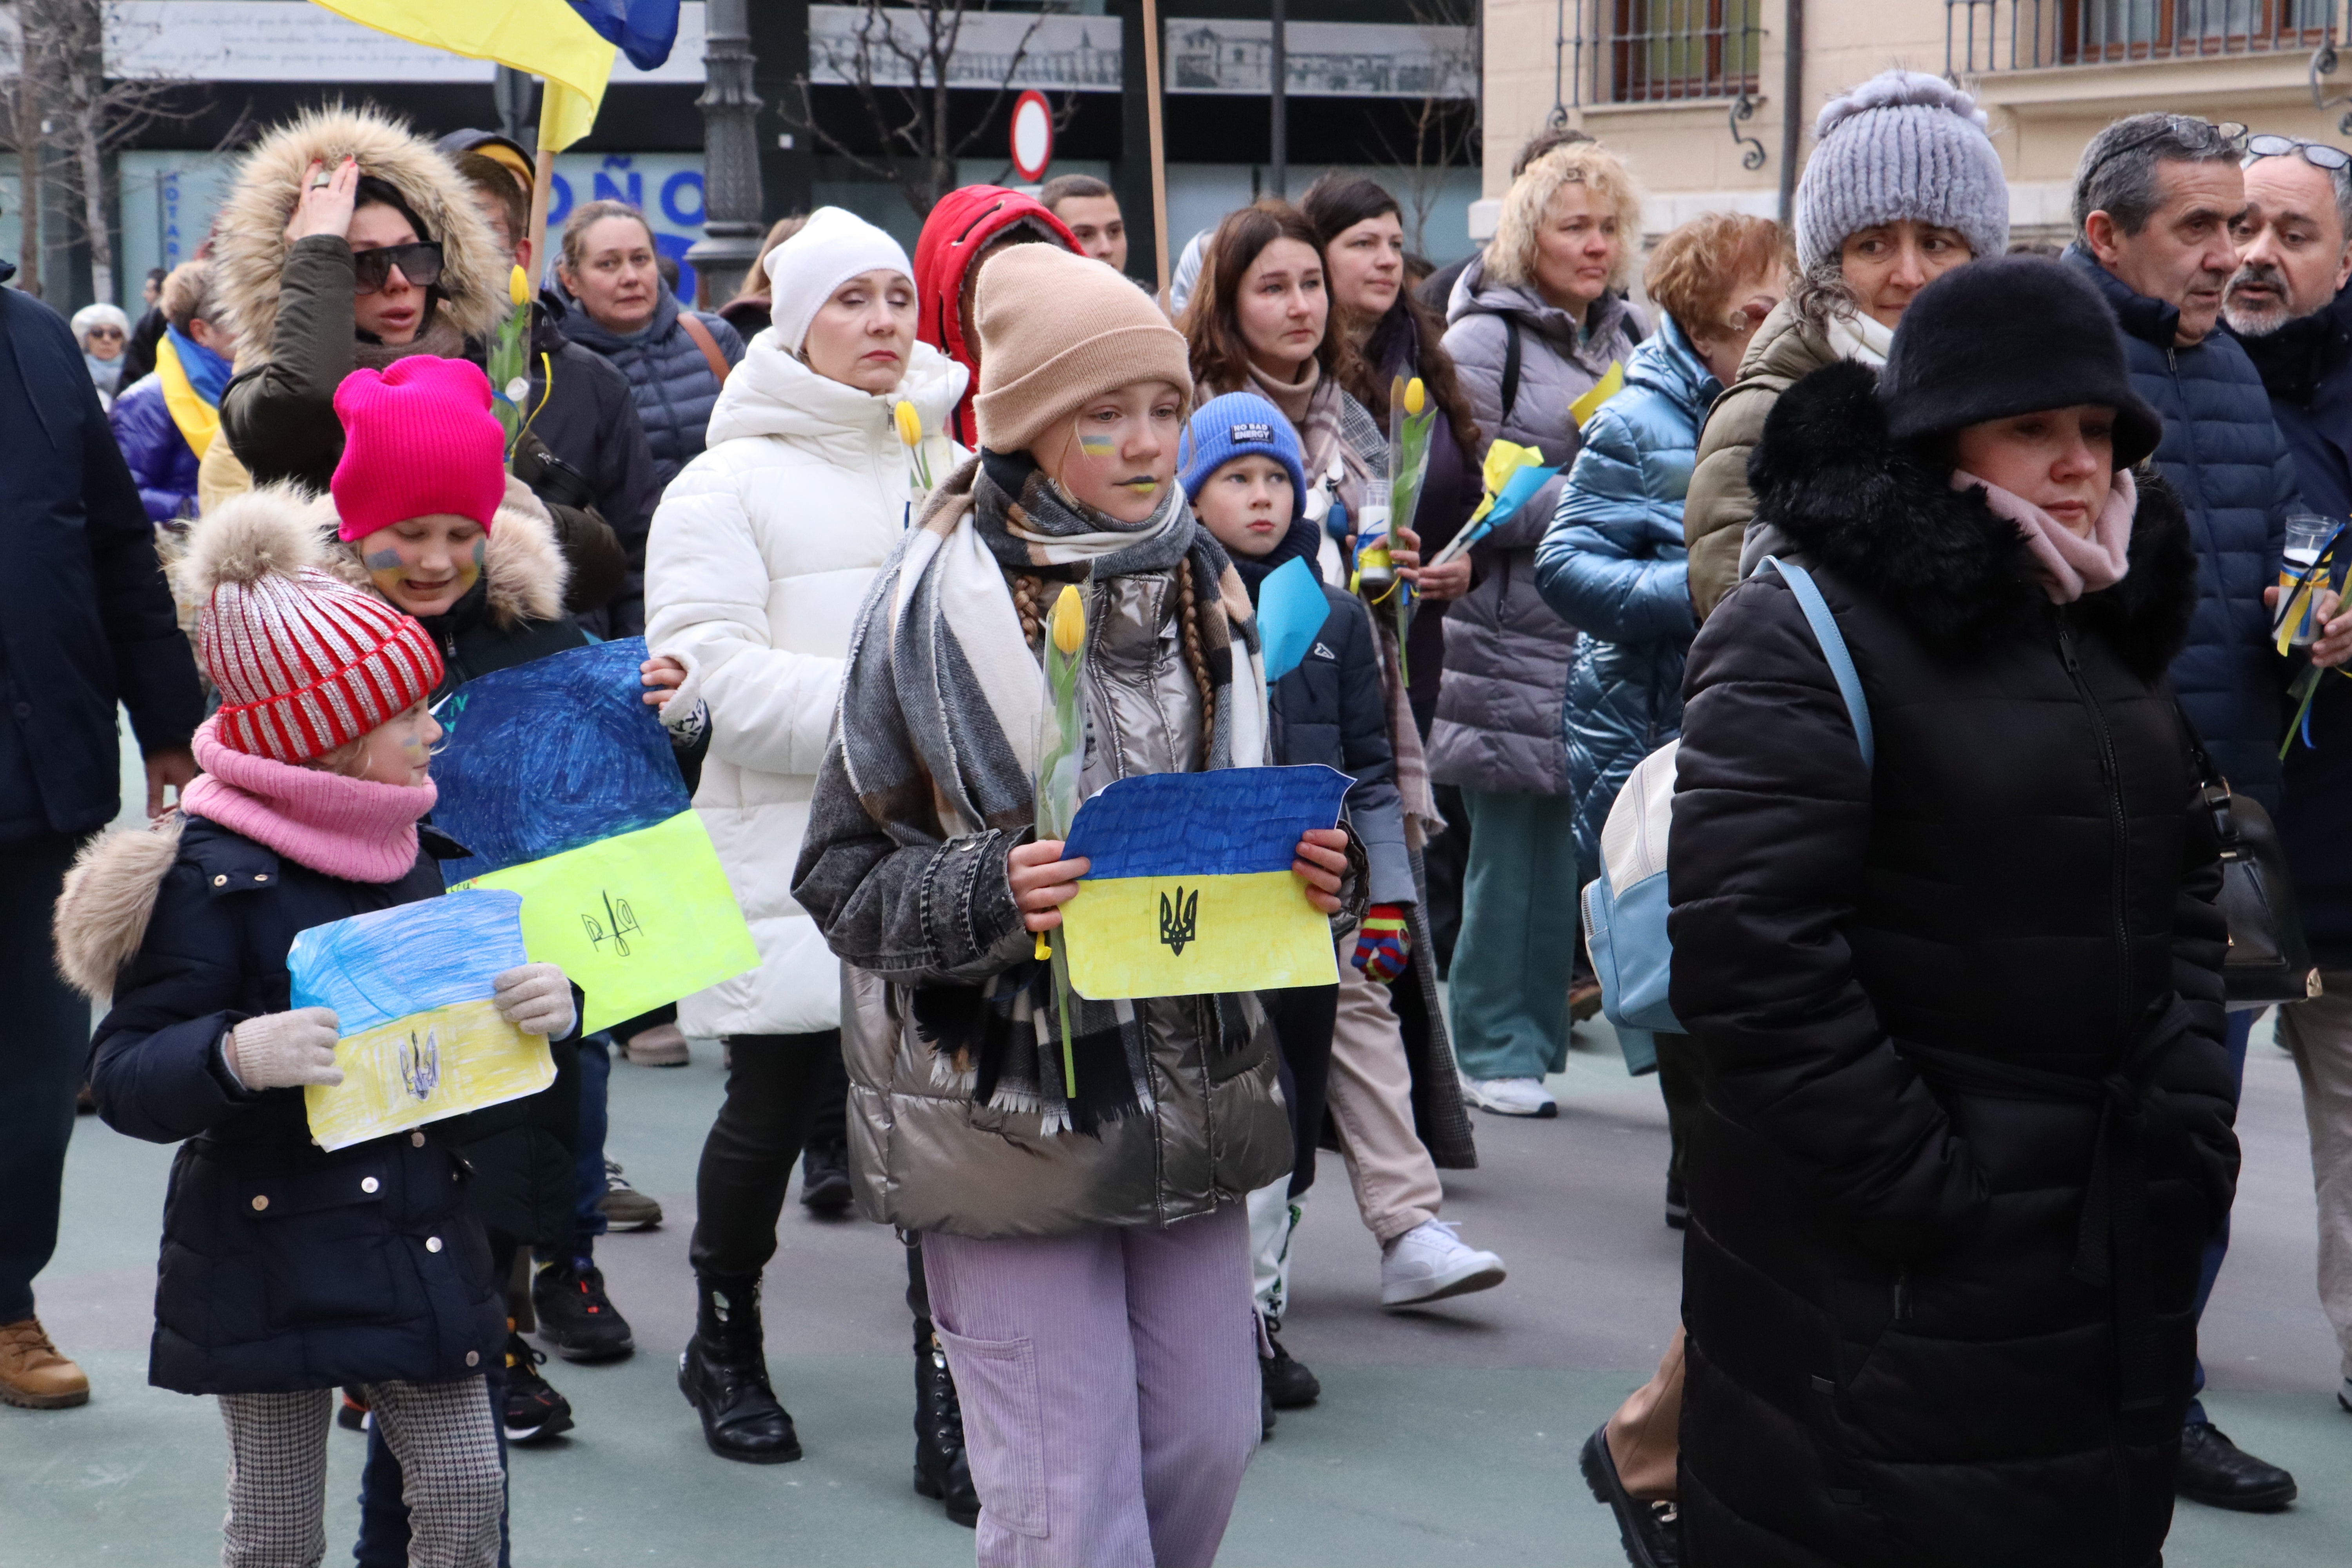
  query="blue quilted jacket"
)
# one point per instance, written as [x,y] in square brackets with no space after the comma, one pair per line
[2224,458]
[159,455]
[668,374]
[1613,563]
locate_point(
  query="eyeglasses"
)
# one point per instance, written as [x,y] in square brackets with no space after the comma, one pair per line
[2318,154]
[2230,130]
[105,333]
[419,263]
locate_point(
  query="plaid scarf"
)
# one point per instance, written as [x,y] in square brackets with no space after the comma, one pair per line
[940,711]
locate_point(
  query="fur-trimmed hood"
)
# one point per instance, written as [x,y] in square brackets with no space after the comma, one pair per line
[1883,517]
[109,895]
[249,242]
[288,527]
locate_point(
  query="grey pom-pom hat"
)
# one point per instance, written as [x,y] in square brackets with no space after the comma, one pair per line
[1902,144]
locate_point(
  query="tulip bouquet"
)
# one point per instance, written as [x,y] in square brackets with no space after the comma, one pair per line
[1061,750]
[910,425]
[509,361]
[1411,417]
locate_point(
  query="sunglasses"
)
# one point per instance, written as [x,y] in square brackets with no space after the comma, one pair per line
[2230,130]
[2318,154]
[105,332]
[419,263]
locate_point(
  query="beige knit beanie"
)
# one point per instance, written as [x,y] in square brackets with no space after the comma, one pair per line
[1057,329]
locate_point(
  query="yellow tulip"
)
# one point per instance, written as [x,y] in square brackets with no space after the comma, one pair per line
[1415,396]
[518,286]
[911,424]
[1069,619]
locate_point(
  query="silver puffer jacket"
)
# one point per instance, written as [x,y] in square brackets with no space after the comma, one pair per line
[924,1156]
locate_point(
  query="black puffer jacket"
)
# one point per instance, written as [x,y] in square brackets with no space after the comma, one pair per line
[1896,1357]
[283,1266]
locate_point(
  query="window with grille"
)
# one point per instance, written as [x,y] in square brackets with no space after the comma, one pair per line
[1682,49]
[2021,35]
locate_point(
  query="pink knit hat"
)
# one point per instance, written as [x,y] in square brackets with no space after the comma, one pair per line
[418,438]
[306,662]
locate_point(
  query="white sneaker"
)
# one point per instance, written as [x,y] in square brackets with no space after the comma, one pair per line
[1510,1095]
[1429,1263]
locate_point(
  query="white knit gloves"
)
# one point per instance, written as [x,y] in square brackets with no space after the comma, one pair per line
[284,1050]
[536,999]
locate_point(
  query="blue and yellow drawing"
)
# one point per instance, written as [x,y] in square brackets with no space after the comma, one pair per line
[411,988]
[1191,891]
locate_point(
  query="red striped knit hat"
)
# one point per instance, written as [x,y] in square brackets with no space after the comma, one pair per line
[305,662]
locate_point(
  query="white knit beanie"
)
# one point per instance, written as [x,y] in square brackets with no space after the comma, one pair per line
[1904,144]
[830,248]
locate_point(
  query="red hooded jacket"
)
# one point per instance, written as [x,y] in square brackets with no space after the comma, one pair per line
[959,227]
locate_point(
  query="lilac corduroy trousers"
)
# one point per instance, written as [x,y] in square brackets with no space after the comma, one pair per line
[1110,1384]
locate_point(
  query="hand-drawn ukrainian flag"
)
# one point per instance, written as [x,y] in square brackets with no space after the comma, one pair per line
[1191,891]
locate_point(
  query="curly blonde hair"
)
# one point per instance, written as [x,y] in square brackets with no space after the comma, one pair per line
[1511,257]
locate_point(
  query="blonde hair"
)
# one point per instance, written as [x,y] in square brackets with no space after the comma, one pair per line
[186,296]
[1511,257]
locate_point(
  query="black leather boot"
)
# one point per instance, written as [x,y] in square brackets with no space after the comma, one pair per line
[724,1374]
[941,1468]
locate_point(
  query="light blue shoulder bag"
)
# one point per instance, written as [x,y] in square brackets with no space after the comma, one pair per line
[1625,907]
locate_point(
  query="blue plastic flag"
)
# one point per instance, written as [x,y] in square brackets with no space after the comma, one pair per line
[646,30]
[1290,610]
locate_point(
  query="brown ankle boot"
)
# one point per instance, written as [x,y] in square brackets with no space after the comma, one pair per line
[32,1373]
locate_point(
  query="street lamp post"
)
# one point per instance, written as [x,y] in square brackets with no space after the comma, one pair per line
[732,204]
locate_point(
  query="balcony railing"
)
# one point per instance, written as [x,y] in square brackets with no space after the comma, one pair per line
[1657,51]
[1981,37]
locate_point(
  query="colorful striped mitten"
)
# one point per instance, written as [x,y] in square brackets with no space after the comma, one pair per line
[1383,943]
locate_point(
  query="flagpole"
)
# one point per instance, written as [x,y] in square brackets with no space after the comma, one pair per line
[540,187]
[1159,142]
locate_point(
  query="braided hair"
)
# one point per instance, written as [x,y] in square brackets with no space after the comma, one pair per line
[1028,590]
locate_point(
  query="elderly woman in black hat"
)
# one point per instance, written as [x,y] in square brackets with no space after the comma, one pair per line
[1955,977]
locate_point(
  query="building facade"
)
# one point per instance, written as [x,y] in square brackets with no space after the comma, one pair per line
[1698,96]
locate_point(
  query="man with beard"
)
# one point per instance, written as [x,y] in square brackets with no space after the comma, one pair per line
[2288,304]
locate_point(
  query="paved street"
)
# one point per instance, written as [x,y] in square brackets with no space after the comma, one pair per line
[1445,1436]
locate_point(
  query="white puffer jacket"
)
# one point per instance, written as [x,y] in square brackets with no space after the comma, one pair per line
[759,559]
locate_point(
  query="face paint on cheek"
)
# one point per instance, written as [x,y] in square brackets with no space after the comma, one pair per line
[472,568]
[383,567]
[1098,446]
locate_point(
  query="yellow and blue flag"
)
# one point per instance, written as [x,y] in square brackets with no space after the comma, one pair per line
[1191,891]
[420,1039]
[548,38]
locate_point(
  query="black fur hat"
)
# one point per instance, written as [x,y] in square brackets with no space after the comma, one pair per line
[2010,335]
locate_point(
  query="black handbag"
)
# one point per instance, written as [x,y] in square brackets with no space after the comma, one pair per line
[2268,960]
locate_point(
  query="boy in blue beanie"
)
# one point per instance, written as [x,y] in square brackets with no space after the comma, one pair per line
[1243,474]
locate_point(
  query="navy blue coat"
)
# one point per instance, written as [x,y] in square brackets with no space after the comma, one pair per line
[2308,367]
[1614,565]
[85,616]
[668,374]
[2224,458]
[284,1267]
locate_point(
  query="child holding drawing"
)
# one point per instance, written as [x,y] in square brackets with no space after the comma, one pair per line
[288,1271]
[421,519]
[1107,1223]
[1343,1044]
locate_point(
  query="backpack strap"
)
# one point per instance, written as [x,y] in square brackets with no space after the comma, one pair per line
[1510,367]
[1825,631]
[707,344]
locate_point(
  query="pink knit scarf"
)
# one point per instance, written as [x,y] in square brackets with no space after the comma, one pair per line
[351,829]
[2070,564]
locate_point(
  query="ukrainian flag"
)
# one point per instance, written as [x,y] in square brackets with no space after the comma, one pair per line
[1191,891]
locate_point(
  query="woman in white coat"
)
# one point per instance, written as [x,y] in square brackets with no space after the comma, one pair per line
[760,557]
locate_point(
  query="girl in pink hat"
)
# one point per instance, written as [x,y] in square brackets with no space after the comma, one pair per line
[288,1269]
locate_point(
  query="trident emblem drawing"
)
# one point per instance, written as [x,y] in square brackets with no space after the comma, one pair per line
[1180,922]
[420,1065]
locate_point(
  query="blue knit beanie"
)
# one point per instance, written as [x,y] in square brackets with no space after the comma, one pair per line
[1904,144]
[1236,426]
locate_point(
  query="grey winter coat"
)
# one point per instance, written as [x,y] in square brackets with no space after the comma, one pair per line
[923,1156]
[1506,654]
[668,374]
